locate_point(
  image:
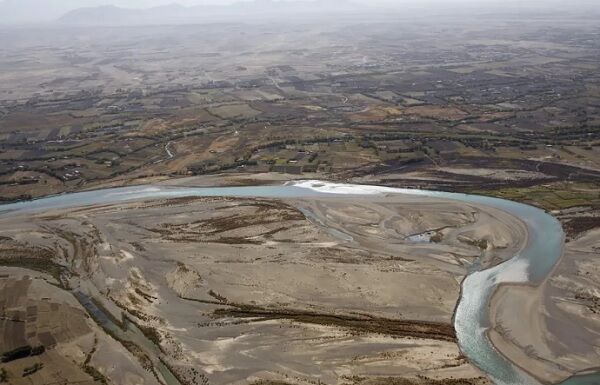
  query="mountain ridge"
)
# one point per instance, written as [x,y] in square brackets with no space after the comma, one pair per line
[176,13]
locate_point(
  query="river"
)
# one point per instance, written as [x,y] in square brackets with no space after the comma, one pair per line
[531,265]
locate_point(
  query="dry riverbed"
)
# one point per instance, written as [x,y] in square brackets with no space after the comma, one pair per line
[234,291]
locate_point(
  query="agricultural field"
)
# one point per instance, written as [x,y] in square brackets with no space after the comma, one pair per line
[391,100]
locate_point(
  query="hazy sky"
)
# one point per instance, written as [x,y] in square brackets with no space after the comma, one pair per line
[142,3]
[151,3]
[33,11]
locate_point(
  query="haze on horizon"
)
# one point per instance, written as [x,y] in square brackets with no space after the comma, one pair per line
[14,12]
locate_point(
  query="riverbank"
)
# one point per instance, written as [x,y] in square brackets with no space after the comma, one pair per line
[192,272]
[562,316]
[285,259]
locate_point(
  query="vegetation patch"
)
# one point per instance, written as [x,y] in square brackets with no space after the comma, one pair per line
[576,226]
[404,328]
[556,196]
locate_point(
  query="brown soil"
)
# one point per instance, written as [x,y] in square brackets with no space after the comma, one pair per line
[399,328]
[395,381]
[577,226]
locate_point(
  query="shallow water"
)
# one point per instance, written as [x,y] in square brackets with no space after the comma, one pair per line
[532,265]
[130,333]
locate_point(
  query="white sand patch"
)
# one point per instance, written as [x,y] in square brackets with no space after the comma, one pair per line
[109,258]
[212,362]
[127,256]
[174,329]
[513,271]
[215,353]
[136,191]
[353,189]
[225,343]
[308,244]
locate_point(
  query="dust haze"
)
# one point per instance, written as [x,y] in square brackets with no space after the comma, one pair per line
[136,12]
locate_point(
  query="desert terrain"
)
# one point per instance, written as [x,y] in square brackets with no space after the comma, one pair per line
[243,290]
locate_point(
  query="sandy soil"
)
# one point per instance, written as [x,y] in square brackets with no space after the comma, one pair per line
[553,331]
[237,290]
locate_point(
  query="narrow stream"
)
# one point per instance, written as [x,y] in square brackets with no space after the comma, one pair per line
[129,333]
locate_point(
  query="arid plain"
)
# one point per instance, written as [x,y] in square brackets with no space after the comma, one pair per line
[237,290]
[320,290]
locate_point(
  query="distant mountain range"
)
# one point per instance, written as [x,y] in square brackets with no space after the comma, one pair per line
[151,11]
[139,12]
[44,11]
[175,13]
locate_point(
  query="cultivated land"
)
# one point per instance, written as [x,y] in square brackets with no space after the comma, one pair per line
[458,105]
[332,291]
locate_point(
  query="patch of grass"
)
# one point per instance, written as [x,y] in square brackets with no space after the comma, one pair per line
[37,264]
[576,226]
[95,374]
[479,243]
[28,371]
[393,327]
[556,196]
[92,371]
[151,333]
[419,380]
